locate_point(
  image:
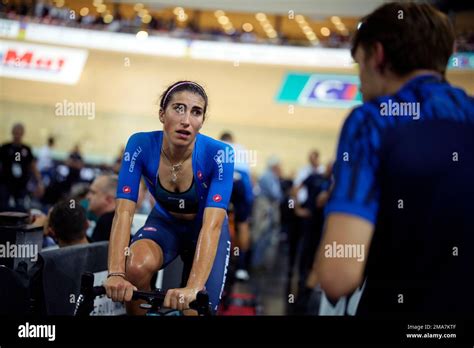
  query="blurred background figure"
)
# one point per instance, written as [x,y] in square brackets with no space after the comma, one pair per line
[267,217]
[101,197]
[17,168]
[46,162]
[299,196]
[145,202]
[45,156]
[317,187]
[242,201]
[75,160]
[68,224]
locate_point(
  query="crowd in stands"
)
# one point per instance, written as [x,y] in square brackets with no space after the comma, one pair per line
[45,12]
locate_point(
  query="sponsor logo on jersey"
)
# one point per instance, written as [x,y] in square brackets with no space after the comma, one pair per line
[199,174]
[126,189]
[149,228]
[217,198]
[220,167]
[134,159]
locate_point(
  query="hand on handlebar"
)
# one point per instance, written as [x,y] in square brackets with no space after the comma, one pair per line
[119,289]
[180,298]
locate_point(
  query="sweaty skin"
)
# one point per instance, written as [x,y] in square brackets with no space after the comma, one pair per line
[118,288]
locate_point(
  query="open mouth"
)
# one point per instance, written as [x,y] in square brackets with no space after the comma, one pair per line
[183,132]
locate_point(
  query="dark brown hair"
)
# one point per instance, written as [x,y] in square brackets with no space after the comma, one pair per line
[180,86]
[68,221]
[414,36]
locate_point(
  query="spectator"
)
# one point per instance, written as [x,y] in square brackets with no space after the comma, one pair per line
[317,186]
[75,158]
[75,163]
[267,217]
[300,196]
[311,168]
[101,198]
[269,182]
[242,201]
[45,156]
[17,167]
[67,222]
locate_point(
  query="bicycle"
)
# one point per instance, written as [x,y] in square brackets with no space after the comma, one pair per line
[154,300]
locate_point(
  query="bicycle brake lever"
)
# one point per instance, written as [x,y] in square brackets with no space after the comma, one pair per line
[201,303]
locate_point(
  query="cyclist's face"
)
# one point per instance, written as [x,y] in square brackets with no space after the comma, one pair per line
[183,117]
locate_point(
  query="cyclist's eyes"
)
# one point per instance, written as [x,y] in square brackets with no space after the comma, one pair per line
[197,112]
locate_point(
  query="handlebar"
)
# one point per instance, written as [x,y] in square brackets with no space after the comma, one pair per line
[85,302]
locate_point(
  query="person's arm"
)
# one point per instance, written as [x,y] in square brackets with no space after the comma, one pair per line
[120,235]
[351,210]
[215,213]
[340,276]
[206,249]
[117,287]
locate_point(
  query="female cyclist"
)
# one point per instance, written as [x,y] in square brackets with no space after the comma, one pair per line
[190,178]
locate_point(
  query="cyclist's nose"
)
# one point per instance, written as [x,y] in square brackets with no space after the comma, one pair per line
[185,118]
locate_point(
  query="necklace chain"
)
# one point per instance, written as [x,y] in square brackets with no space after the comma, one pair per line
[175,168]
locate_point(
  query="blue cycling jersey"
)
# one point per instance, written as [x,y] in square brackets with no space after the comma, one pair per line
[212,169]
[405,163]
[357,189]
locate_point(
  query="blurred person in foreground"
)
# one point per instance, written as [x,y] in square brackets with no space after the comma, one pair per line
[400,212]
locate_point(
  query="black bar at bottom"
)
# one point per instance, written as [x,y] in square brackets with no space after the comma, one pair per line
[239,330]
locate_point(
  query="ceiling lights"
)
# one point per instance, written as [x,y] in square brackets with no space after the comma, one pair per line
[307,30]
[266,25]
[224,21]
[325,31]
[108,18]
[84,11]
[339,25]
[180,14]
[247,27]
